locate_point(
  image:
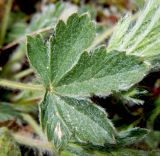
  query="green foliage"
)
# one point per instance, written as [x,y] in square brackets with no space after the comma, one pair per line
[131,136]
[56,55]
[101,73]
[8,112]
[19,27]
[63,118]
[8,147]
[70,73]
[75,150]
[140,38]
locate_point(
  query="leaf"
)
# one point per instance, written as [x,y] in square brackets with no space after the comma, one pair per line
[63,118]
[8,147]
[75,150]
[69,72]
[8,112]
[142,36]
[120,31]
[88,8]
[48,17]
[131,136]
[16,31]
[63,50]
[140,3]
[39,57]
[133,152]
[101,73]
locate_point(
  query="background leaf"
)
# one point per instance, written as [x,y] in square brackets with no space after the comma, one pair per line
[8,147]
[131,136]
[141,36]
[8,112]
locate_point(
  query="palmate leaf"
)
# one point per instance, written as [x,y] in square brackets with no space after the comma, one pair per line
[70,73]
[64,118]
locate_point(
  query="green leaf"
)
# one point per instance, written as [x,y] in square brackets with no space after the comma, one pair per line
[120,31]
[133,152]
[8,112]
[131,136]
[142,36]
[39,57]
[56,57]
[16,31]
[8,147]
[75,150]
[101,73]
[63,118]
[48,17]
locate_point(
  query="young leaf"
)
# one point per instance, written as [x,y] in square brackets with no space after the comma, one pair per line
[141,37]
[101,73]
[54,59]
[120,31]
[63,118]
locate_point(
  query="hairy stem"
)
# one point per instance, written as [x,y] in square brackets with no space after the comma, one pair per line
[5,22]
[23,73]
[22,39]
[34,143]
[34,125]
[21,86]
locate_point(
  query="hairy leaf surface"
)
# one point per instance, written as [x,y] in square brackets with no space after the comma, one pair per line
[142,36]
[54,58]
[131,136]
[63,118]
[100,73]
[69,73]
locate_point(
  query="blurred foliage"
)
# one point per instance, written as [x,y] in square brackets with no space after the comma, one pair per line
[8,146]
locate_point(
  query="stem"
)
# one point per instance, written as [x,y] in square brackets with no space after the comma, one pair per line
[21,39]
[34,143]
[5,21]
[34,125]
[21,86]
[23,73]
